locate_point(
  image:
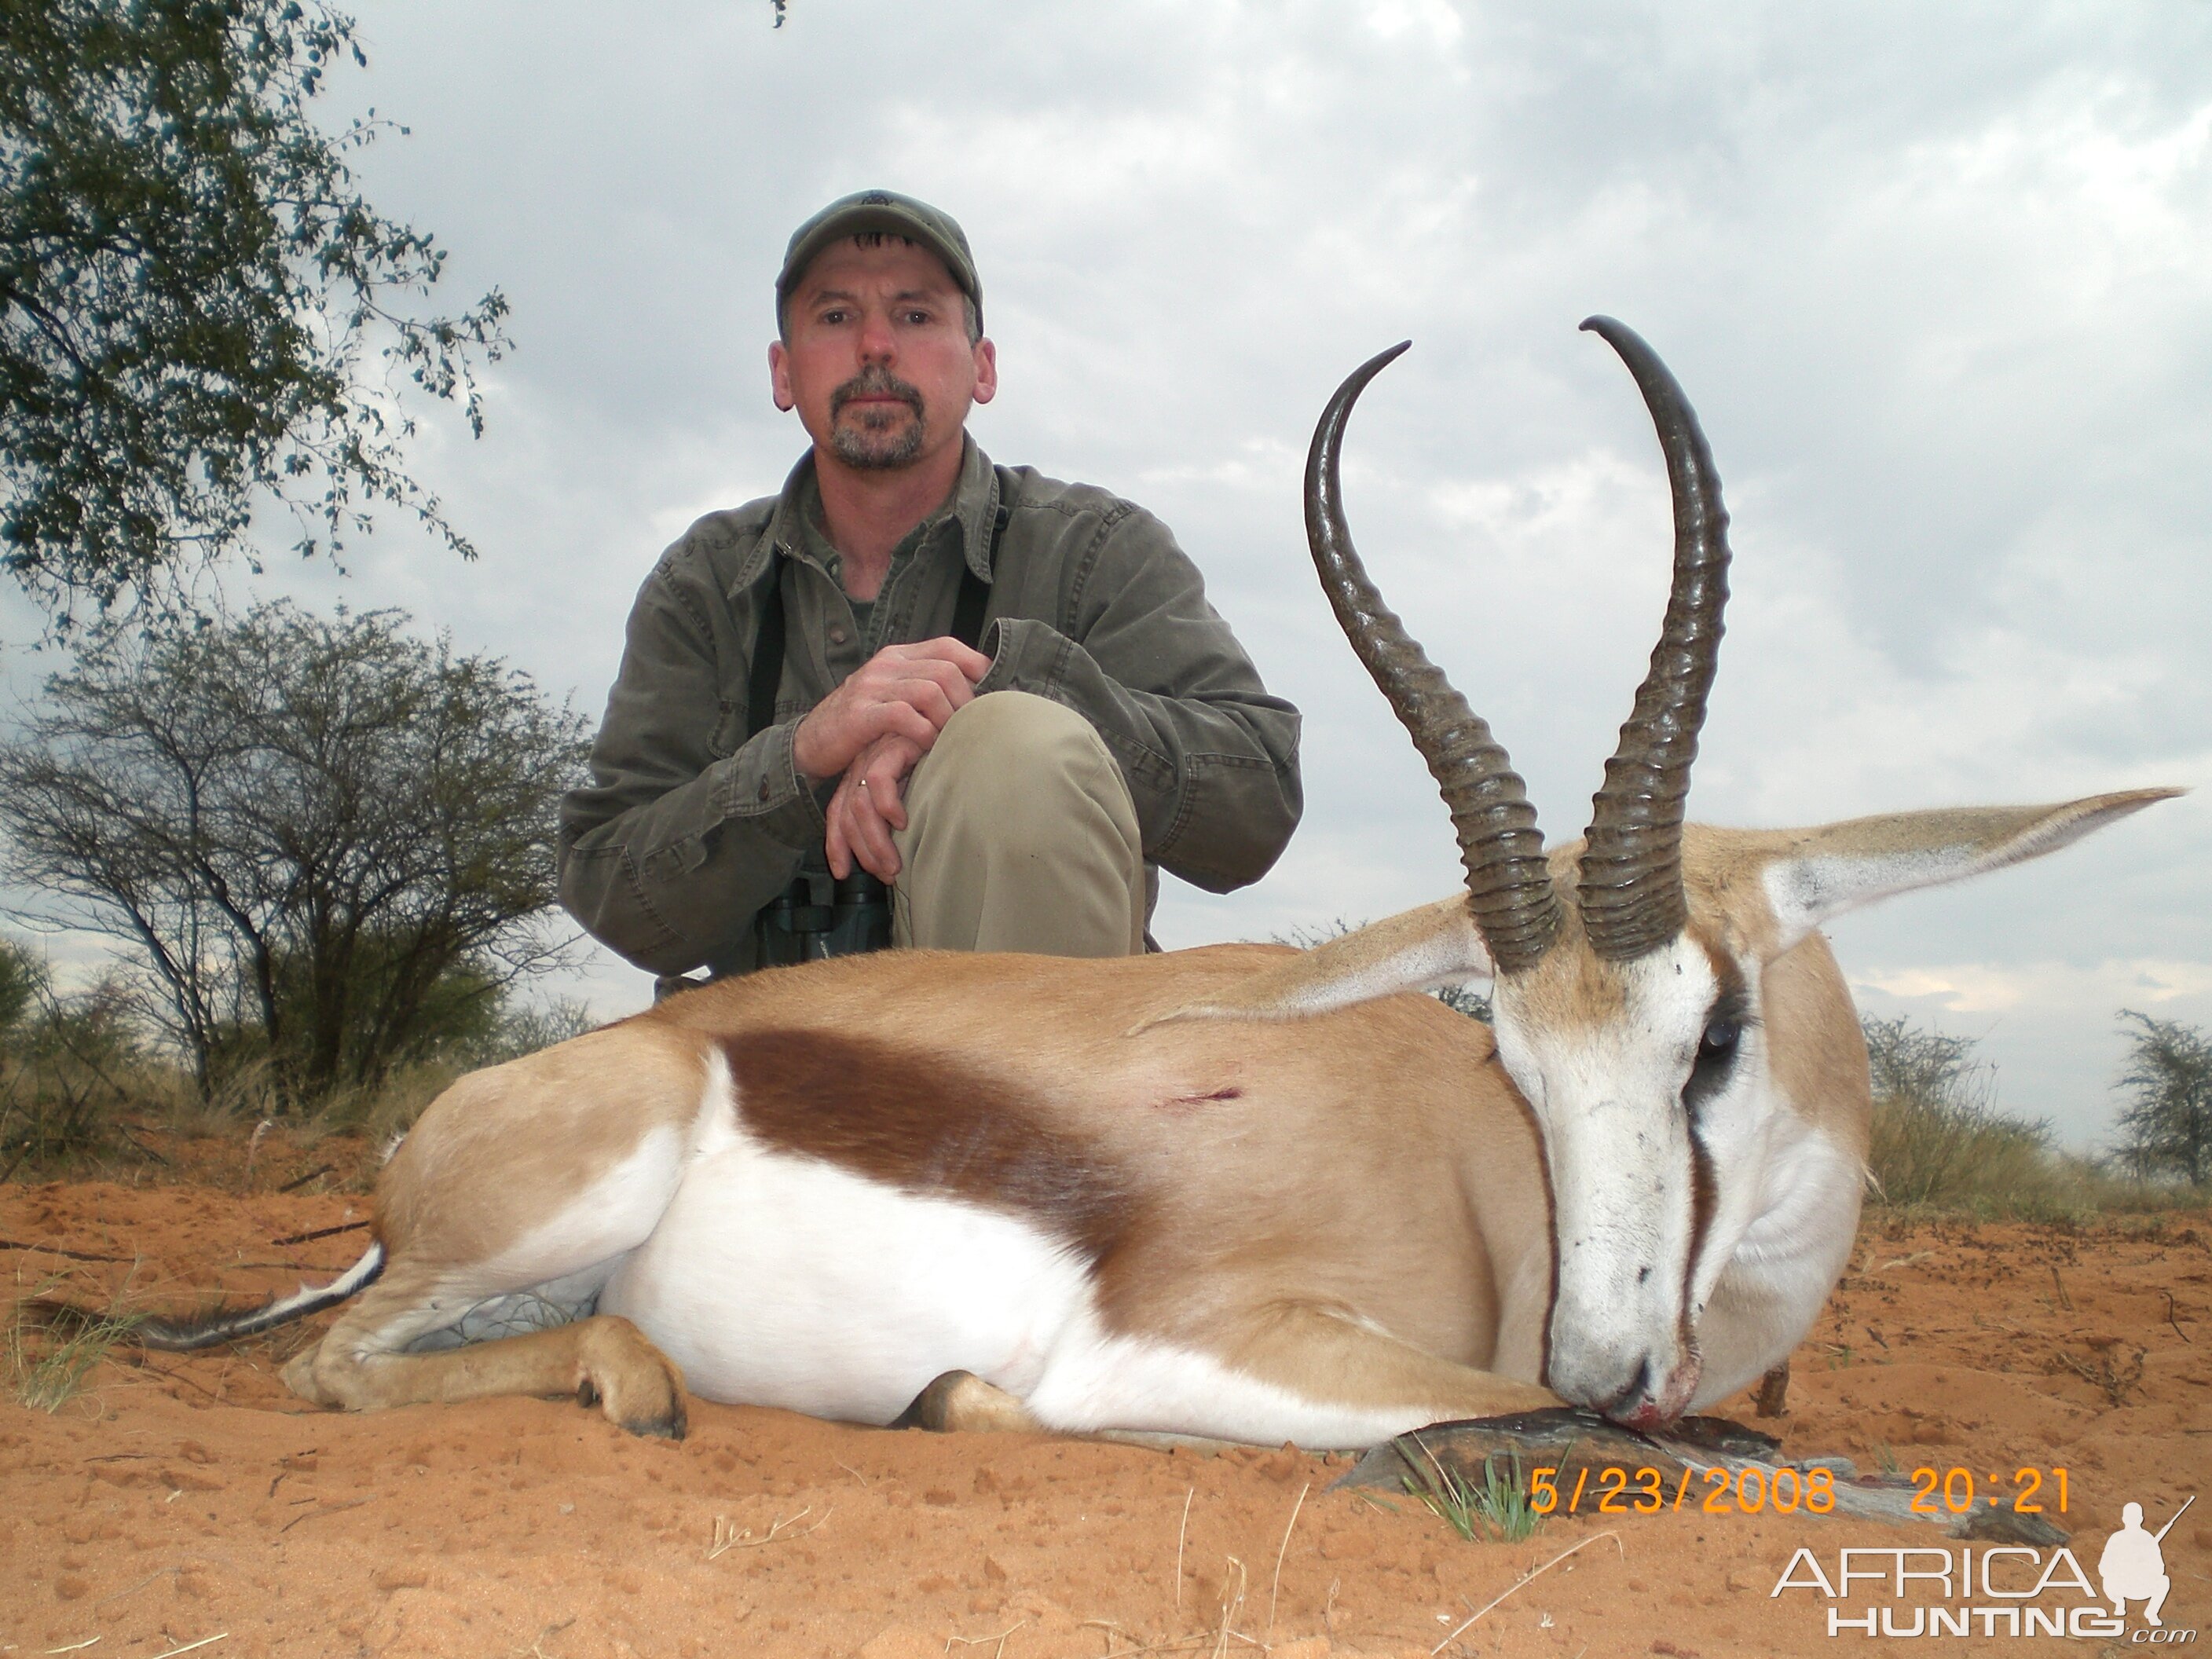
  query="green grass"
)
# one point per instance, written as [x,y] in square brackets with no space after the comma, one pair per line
[1497,1508]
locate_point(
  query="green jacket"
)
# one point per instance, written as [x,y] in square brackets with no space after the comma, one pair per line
[688,827]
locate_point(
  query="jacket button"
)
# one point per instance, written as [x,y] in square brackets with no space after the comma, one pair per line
[763,789]
[836,636]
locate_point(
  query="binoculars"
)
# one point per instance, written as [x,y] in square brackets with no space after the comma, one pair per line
[822,915]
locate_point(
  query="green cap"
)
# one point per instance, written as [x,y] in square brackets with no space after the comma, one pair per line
[883,210]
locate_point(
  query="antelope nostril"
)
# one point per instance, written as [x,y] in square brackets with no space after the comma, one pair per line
[1635,1391]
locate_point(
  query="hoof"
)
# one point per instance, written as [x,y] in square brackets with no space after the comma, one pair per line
[669,1422]
[932,1407]
[961,1400]
[299,1377]
[671,1425]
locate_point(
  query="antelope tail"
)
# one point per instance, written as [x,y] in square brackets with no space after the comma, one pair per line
[232,1325]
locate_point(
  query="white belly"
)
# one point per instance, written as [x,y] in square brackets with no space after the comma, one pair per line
[779,1280]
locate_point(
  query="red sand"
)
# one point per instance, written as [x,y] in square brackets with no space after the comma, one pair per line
[180,1499]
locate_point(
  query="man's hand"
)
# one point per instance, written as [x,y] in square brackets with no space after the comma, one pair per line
[867,807]
[908,691]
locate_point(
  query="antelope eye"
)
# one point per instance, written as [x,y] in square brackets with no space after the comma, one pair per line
[1720,1037]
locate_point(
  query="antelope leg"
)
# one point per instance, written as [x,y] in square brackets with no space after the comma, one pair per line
[360,1365]
[1321,1356]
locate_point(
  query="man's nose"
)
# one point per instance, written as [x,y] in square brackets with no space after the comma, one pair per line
[878,344]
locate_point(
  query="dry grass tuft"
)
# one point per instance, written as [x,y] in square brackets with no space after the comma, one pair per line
[51,1349]
[2105,1370]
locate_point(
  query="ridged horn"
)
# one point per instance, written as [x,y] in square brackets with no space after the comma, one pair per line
[1509,887]
[1631,869]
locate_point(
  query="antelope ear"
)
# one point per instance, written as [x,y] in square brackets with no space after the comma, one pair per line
[1816,874]
[1415,951]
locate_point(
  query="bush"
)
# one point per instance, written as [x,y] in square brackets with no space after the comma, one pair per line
[72,1066]
[1939,1142]
[326,846]
[2166,1129]
[1937,1138]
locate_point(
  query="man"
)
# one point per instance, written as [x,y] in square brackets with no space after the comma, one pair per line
[2133,1567]
[1022,787]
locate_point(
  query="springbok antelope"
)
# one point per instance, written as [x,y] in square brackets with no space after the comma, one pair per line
[1239,1191]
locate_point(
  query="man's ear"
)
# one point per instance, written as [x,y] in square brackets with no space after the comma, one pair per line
[779,377]
[1820,873]
[987,370]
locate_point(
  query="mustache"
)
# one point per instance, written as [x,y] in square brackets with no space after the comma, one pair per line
[875,381]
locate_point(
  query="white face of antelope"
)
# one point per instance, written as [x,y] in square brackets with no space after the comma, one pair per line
[1649,1081]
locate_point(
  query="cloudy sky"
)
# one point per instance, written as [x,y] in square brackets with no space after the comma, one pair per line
[1935,278]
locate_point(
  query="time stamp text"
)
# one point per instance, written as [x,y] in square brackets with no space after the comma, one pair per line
[1614,1489]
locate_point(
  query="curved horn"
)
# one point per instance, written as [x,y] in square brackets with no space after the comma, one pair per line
[1509,885]
[1631,868]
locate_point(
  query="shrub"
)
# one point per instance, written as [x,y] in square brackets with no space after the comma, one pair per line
[2167,1128]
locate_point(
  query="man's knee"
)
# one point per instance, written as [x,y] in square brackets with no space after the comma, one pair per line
[1021,836]
[1001,751]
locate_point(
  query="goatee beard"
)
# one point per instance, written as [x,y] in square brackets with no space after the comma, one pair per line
[878,439]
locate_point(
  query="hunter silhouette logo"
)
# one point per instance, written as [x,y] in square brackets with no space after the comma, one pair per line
[1989,1590]
[2133,1567]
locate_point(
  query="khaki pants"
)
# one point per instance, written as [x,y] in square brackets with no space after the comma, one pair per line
[1020,836]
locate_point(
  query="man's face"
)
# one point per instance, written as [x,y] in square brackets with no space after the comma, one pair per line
[877,362]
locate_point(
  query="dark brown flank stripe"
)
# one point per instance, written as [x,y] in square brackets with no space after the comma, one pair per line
[911,1120]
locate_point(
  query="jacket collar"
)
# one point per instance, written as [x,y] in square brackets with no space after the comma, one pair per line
[975,503]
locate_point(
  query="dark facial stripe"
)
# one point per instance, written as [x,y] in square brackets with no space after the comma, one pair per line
[1720,1050]
[914,1121]
[1704,1193]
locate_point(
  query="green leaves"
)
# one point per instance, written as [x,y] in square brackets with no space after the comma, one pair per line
[200,317]
[2165,1128]
[313,836]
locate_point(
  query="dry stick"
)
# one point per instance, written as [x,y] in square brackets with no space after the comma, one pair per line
[314,1515]
[117,1595]
[1523,1579]
[1228,1609]
[1180,1531]
[726,1539]
[320,1232]
[2176,1323]
[2064,1300]
[204,1642]
[978,1641]
[537,1641]
[55,1249]
[1275,1587]
[74,1647]
[298,1182]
